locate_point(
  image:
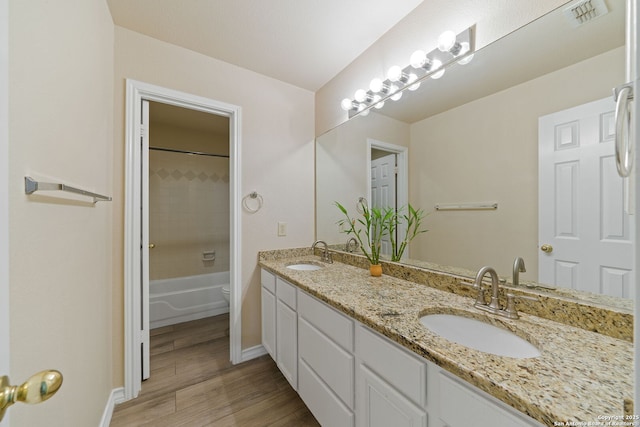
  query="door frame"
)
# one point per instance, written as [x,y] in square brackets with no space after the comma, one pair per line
[137,91]
[402,177]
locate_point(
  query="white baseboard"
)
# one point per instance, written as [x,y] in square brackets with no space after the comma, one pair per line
[253,352]
[116,396]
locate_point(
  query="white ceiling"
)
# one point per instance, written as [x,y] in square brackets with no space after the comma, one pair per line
[302,42]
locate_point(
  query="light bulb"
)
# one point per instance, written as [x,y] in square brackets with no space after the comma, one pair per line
[446,41]
[376,85]
[395,73]
[360,95]
[377,103]
[464,50]
[418,59]
[435,65]
[397,94]
[346,104]
[412,79]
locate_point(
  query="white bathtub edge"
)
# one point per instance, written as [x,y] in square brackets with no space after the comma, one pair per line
[188,317]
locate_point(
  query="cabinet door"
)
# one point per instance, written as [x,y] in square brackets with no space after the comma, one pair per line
[480,409]
[287,342]
[381,405]
[269,322]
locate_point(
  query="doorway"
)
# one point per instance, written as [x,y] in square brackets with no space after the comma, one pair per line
[388,181]
[136,221]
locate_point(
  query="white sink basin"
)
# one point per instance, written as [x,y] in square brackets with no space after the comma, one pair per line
[479,335]
[304,266]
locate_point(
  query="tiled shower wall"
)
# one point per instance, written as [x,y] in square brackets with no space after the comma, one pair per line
[188,214]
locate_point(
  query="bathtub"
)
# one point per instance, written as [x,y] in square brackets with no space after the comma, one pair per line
[182,299]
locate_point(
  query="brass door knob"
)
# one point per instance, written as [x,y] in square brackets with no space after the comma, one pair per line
[152,245]
[546,248]
[36,389]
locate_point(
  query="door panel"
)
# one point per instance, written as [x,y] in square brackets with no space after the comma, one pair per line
[383,189]
[583,203]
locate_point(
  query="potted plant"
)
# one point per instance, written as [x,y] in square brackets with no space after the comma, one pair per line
[374,226]
[413,219]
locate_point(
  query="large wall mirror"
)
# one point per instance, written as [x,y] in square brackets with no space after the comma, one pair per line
[478,135]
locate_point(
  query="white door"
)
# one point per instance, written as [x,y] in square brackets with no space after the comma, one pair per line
[144,234]
[383,189]
[585,235]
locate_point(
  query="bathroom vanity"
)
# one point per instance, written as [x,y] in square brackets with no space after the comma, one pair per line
[354,349]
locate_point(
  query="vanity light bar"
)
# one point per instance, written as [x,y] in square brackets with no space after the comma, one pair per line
[451,48]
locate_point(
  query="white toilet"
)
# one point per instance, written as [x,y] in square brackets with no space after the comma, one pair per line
[225,293]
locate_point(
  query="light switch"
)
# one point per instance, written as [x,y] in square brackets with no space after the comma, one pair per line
[282,229]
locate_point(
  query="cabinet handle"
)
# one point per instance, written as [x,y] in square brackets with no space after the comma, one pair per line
[546,248]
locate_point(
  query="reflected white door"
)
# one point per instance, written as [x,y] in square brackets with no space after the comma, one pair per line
[583,223]
[383,189]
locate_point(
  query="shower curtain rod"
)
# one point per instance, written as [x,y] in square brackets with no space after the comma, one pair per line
[196,153]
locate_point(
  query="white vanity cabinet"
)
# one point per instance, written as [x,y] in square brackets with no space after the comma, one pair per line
[280,324]
[326,362]
[391,383]
[287,331]
[349,375]
[463,405]
[268,304]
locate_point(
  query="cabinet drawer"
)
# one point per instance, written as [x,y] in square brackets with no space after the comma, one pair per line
[328,360]
[392,363]
[465,406]
[327,320]
[286,292]
[323,404]
[268,281]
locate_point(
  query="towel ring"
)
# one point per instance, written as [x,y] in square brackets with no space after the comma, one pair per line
[246,202]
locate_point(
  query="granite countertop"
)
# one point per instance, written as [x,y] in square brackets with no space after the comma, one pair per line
[580,375]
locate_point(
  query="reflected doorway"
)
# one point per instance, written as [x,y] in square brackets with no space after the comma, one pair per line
[388,178]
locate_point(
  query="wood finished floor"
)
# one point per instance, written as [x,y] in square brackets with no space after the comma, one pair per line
[193,384]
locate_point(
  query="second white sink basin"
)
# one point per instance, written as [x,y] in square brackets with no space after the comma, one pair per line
[479,335]
[304,266]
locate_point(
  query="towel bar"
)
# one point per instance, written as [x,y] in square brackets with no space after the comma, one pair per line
[31,186]
[466,206]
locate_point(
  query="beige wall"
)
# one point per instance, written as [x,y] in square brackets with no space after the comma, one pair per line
[277,157]
[494,157]
[420,30]
[61,276]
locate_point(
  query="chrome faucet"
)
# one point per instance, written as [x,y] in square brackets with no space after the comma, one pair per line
[351,242]
[326,256]
[518,267]
[494,306]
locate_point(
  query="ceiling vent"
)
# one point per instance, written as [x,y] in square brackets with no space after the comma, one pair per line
[585,11]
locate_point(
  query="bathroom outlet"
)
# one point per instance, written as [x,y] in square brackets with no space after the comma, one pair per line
[282,229]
